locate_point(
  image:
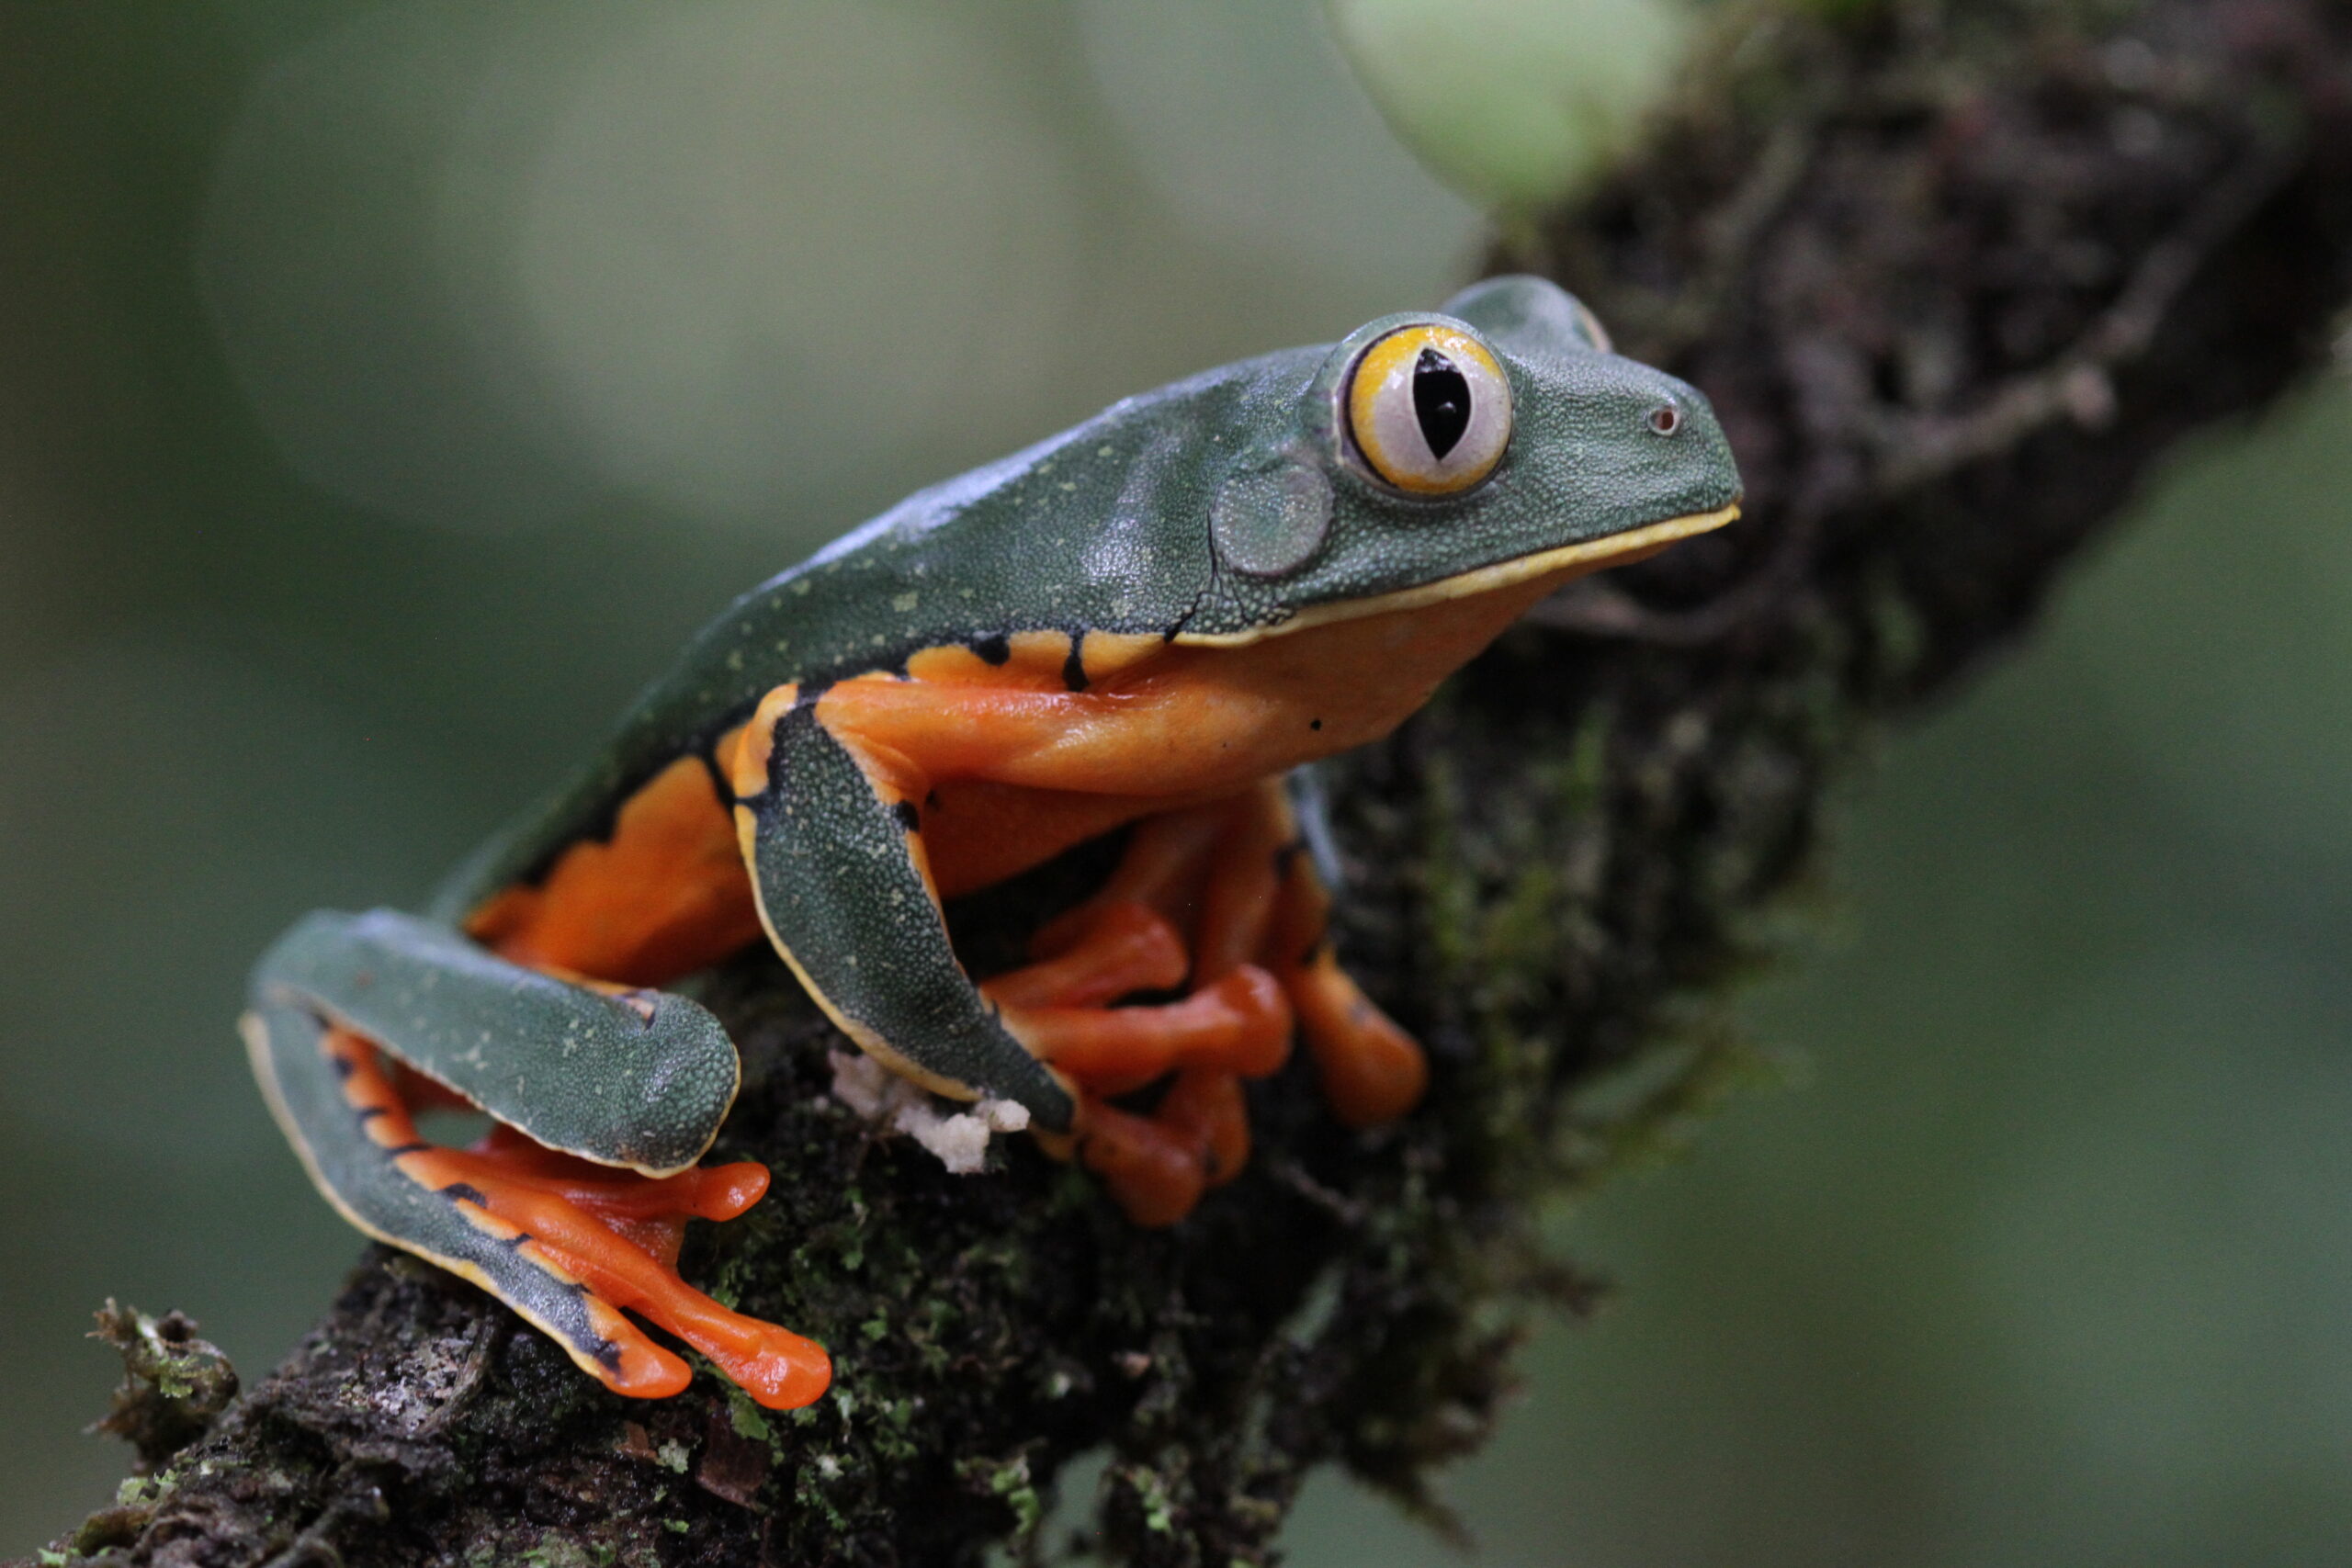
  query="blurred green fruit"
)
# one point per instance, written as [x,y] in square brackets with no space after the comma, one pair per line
[1513,102]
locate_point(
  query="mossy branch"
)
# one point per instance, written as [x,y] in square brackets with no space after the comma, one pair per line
[1956,277]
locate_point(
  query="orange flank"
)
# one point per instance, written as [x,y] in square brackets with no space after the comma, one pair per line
[614,1234]
[1007,765]
[1186,722]
[666,894]
[1010,766]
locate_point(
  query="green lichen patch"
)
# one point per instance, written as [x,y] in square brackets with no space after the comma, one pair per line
[175,1385]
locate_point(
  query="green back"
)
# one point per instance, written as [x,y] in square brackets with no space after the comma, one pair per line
[1148,519]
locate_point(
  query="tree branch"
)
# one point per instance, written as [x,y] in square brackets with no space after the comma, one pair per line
[1955,278]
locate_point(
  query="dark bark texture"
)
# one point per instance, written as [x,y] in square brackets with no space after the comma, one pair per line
[1955,276]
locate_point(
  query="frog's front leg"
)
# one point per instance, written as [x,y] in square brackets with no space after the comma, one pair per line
[616,1077]
[831,826]
[830,831]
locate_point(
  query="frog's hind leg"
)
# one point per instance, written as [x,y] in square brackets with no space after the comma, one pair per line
[568,1245]
[569,1242]
[623,1077]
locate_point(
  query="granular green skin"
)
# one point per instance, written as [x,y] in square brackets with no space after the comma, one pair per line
[1554,872]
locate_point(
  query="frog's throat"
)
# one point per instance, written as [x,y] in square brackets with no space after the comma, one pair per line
[1592,555]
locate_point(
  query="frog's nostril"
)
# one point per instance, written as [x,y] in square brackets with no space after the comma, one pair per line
[1666,419]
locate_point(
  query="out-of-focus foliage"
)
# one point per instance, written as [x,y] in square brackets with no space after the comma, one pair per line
[749,263]
[1514,102]
[1210,89]
[386,389]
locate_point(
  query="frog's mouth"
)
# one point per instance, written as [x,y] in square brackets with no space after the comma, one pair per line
[1569,561]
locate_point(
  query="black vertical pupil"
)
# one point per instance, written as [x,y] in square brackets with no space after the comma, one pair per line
[1440,402]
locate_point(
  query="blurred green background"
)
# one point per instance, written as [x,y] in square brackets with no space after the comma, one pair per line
[386,390]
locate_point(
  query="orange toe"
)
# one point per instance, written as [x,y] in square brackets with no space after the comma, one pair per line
[1123,947]
[617,1234]
[1155,1175]
[1208,1113]
[1240,1025]
[1371,1071]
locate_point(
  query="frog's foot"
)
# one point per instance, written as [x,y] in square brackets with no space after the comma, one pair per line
[1058,1007]
[1371,1071]
[1237,1026]
[1236,875]
[1263,898]
[1157,1166]
[618,1232]
[571,1245]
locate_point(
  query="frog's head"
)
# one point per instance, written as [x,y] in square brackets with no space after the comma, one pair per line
[1436,455]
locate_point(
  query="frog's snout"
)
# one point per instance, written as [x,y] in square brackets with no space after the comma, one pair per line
[1670,430]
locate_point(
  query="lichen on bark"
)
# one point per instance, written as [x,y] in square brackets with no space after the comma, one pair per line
[1955,277]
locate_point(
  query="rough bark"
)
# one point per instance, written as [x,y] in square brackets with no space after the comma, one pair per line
[1956,277]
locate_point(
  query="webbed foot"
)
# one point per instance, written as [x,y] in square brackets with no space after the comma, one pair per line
[1236,1026]
[1232,874]
[572,1246]
[1058,1007]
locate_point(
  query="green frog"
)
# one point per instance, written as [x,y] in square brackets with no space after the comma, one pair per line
[1140,627]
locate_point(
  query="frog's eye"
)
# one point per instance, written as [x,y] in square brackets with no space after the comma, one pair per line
[1428,410]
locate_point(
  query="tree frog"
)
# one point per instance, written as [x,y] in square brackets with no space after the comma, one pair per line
[1138,627]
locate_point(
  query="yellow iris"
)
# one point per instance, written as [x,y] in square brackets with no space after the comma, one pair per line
[1429,409]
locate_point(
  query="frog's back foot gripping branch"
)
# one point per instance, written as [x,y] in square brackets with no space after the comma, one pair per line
[569,1244]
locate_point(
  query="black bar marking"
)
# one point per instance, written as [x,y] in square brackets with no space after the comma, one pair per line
[465,1193]
[994,648]
[1074,667]
[398,1150]
[1176,630]
[720,784]
[909,818]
